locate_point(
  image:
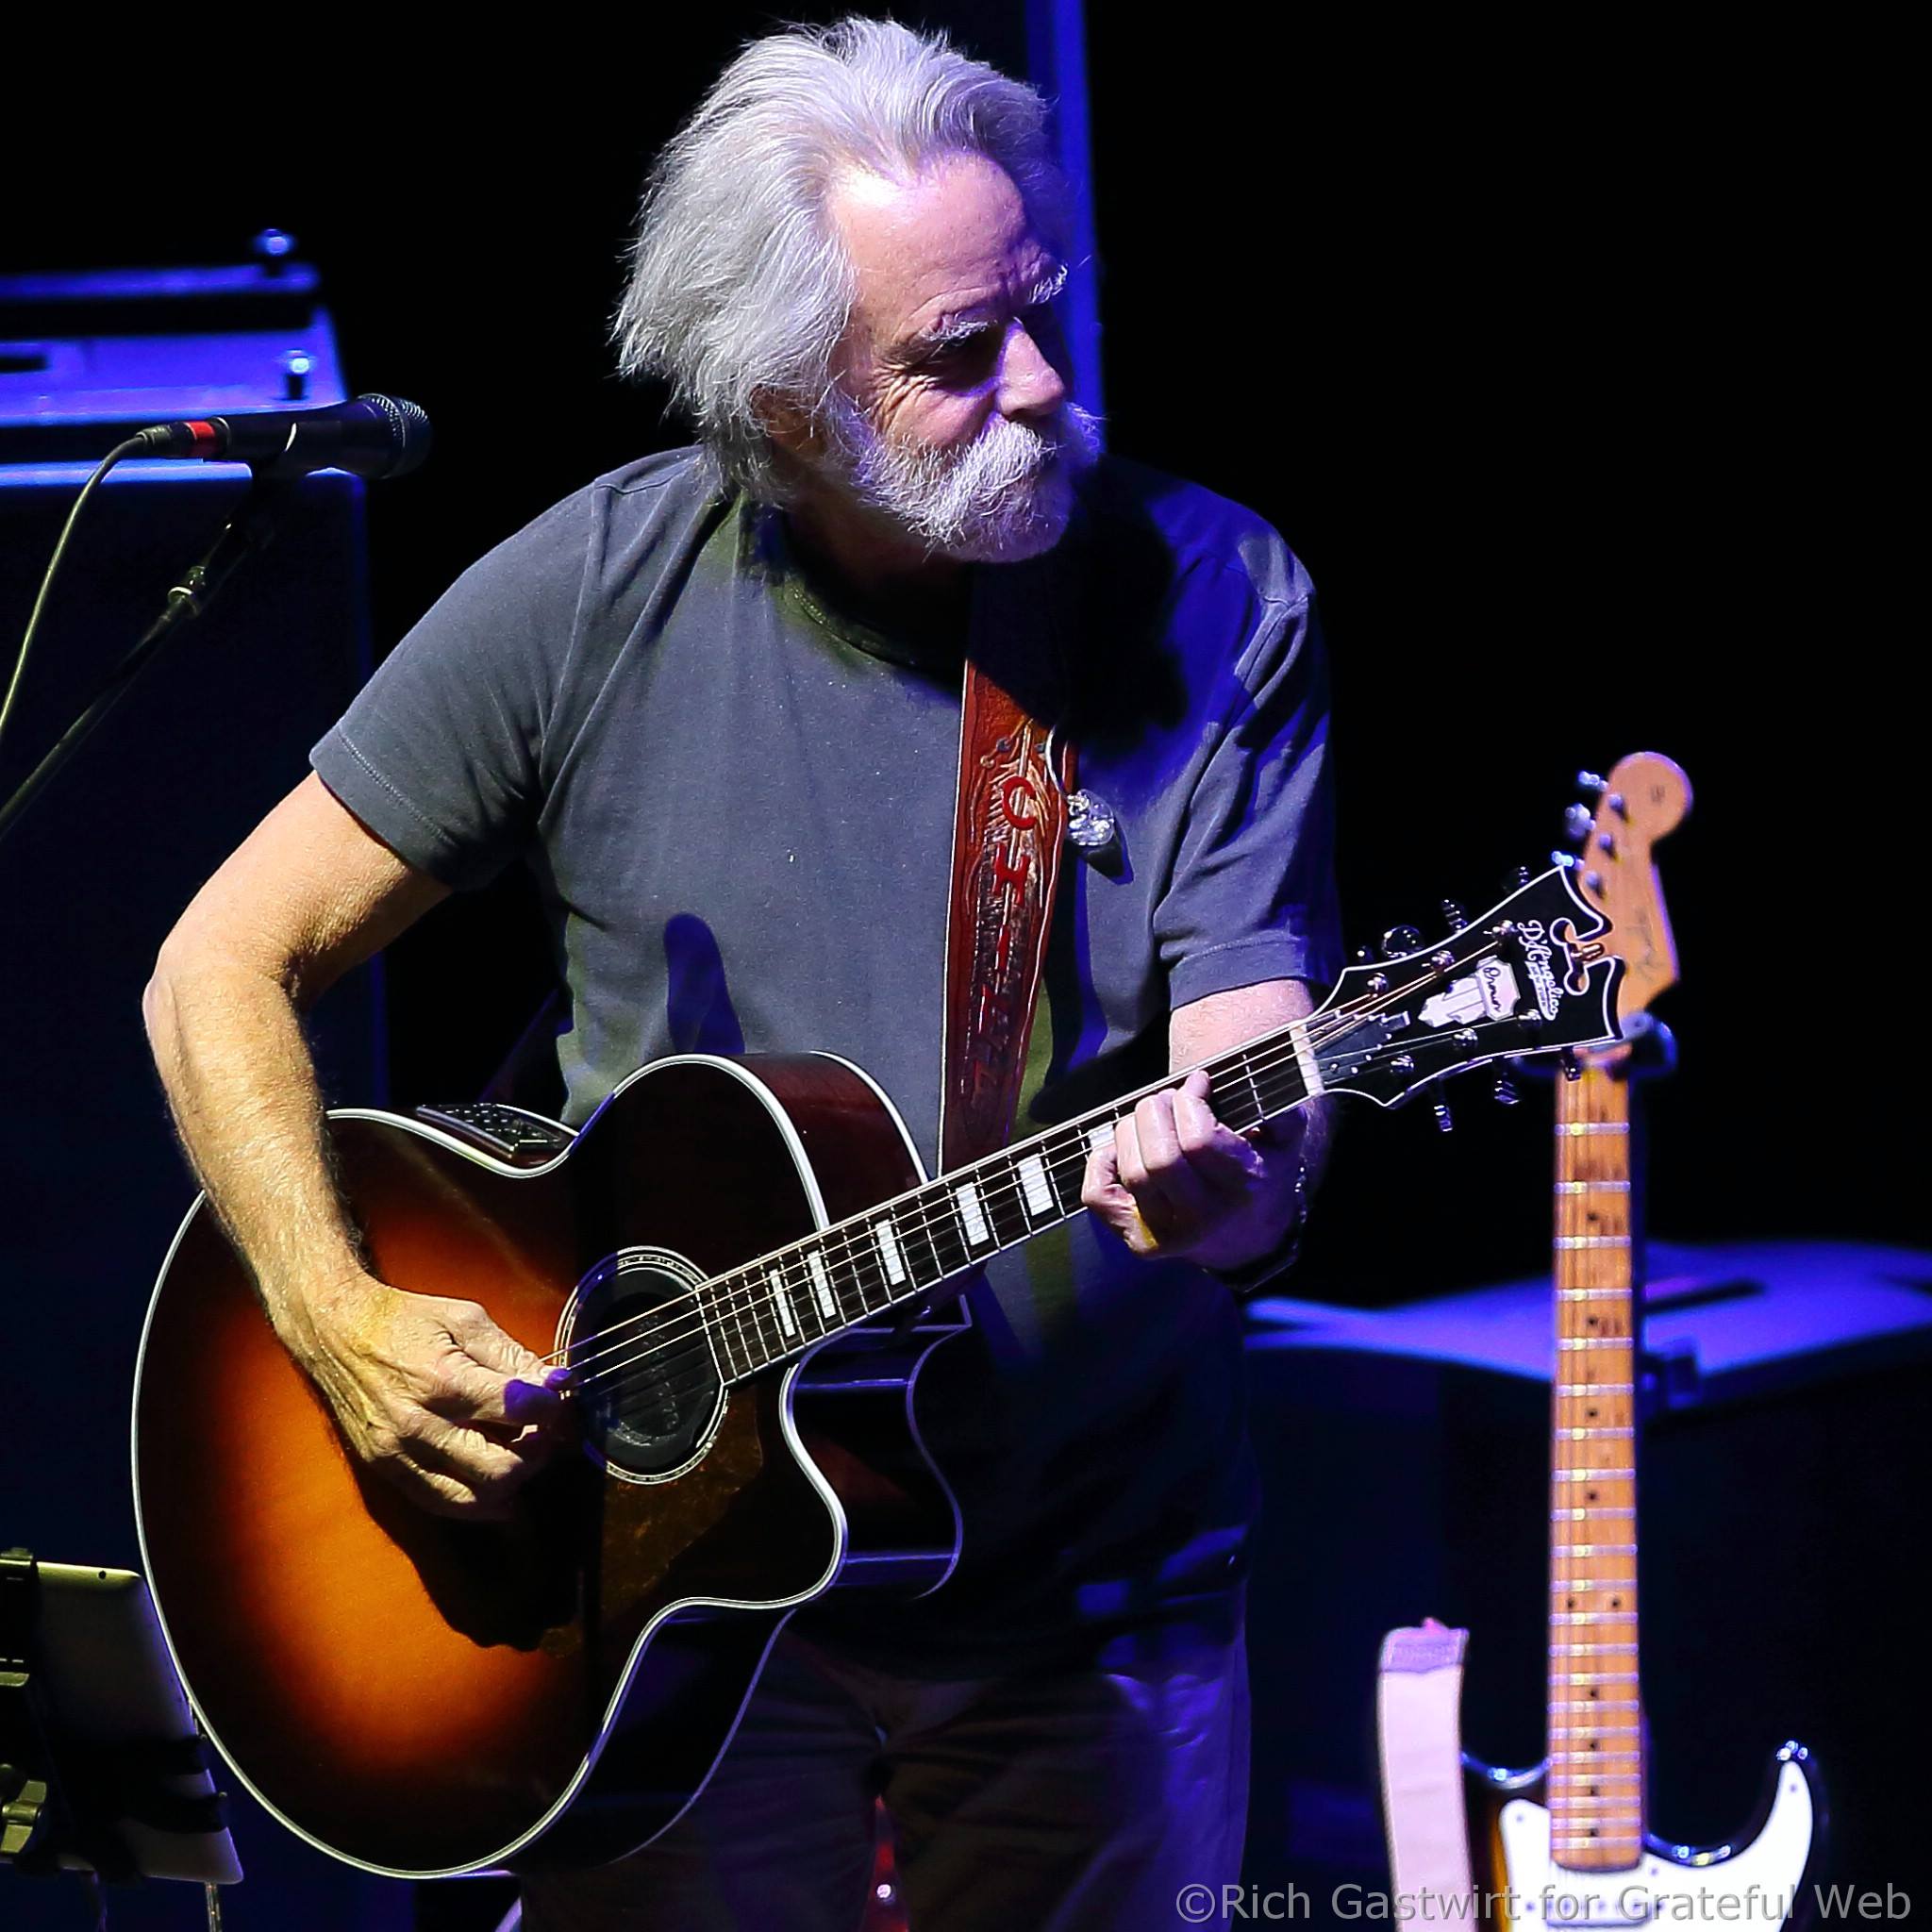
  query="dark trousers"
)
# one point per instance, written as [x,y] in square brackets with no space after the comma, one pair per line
[1080,1799]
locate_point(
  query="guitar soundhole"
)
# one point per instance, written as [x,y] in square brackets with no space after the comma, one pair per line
[648,1390]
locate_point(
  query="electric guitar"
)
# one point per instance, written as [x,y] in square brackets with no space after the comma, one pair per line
[1566,1842]
[734,1259]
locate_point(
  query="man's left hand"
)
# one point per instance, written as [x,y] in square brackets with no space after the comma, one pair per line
[1174,1180]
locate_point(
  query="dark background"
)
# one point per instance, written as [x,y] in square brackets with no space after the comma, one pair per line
[1561,365]
[1562,358]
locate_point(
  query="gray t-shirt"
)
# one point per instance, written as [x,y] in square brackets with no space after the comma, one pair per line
[736,803]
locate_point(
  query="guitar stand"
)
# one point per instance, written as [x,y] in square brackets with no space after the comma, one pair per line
[102,1770]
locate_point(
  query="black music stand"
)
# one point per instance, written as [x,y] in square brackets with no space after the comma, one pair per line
[102,1770]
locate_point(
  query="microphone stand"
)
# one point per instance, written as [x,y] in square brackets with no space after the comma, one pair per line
[252,528]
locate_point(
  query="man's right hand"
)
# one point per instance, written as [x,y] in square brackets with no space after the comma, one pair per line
[421,1387]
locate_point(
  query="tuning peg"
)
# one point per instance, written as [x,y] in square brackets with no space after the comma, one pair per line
[1446,1121]
[1515,879]
[1568,860]
[1399,939]
[1364,956]
[1578,823]
[1454,916]
[1592,781]
[1573,1067]
[1504,1091]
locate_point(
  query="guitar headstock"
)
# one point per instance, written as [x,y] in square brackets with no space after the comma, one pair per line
[1530,975]
[1643,799]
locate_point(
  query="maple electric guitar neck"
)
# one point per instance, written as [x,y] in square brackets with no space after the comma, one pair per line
[1567,1842]
[1595,1719]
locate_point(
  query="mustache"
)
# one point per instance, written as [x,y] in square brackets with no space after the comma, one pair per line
[1005,493]
[1007,451]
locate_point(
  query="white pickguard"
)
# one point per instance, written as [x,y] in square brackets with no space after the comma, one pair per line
[1762,1877]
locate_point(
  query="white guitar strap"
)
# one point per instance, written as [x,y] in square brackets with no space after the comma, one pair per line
[1419,1731]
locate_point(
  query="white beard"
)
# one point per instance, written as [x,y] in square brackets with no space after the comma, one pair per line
[1005,496]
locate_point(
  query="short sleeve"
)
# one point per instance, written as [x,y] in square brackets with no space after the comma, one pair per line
[1252,893]
[440,754]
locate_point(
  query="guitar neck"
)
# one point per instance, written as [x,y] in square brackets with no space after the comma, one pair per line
[1595,1716]
[1530,975]
[902,1250]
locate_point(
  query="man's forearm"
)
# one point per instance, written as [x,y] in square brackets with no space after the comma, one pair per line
[419,1383]
[228,1046]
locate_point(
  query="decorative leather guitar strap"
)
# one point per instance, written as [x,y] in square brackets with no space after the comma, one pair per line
[1008,834]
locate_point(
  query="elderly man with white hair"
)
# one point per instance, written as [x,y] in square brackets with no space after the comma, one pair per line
[712,700]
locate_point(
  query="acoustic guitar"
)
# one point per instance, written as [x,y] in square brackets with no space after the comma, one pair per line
[739,1261]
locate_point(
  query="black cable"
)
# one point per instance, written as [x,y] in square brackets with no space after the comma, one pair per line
[250,529]
[130,447]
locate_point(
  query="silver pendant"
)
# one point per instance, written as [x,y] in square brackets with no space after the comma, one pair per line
[1092,826]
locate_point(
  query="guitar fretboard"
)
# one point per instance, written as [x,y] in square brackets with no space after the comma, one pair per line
[1595,1715]
[902,1250]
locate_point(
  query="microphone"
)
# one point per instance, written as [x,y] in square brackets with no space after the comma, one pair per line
[372,437]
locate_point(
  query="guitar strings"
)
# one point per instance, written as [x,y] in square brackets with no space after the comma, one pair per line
[1337,1023]
[685,1363]
[743,1290]
[667,1349]
[844,1243]
[854,1271]
[738,1297]
[740,1291]
[841,1246]
[867,1275]
[850,1251]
